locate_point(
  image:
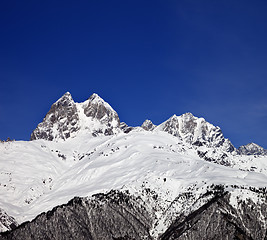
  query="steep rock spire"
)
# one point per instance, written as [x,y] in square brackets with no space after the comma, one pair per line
[60,122]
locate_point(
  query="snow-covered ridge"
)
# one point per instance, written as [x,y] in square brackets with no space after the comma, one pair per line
[95,117]
[38,175]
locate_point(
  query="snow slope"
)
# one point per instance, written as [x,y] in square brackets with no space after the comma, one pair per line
[35,177]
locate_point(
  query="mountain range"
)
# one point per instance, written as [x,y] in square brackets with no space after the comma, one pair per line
[84,174]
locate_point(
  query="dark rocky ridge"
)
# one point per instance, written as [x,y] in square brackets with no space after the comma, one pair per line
[125,128]
[219,220]
[115,215]
[118,215]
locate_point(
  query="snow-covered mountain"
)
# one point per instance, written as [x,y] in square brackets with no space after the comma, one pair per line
[86,175]
[196,131]
[252,149]
[67,119]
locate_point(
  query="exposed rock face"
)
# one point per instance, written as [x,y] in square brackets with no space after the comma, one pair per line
[60,122]
[148,125]
[252,149]
[97,108]
[196,131]
[203,136]
[125,128]
[66,118]
[6,222]
[115,215]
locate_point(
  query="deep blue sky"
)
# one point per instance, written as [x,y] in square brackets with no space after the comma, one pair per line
[148,59]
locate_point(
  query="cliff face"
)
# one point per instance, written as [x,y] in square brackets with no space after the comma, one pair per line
[60,122]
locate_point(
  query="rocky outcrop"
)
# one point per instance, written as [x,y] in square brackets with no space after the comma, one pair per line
[148,125]
[125,128]
[115,215]
[252,149]
[6,222]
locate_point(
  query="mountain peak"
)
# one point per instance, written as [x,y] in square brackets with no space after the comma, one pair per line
[148,125]
[96,107]
[65,96]
[196,131]
[96,117]
[252,149]
[66,118]
[56,123]
[188,115]
[95,97]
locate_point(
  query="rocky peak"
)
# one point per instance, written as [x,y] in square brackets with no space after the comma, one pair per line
[170,126]
[196,131]
[66,119]
[148,125]
[97,108]
[66,97]
[252,149]
[60,121]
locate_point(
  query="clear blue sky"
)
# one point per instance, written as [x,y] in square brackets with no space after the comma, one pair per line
[148,59]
